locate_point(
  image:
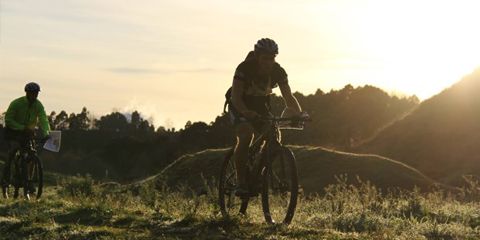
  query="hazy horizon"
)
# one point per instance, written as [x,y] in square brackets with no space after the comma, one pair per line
[173,60]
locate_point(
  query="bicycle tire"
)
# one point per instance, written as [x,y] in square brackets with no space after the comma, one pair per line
[38,175]
[11,180]
[17,177]
[24,177]
[226,189]
[283,188]
[33,181]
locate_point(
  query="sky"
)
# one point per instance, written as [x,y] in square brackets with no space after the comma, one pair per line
[174,60]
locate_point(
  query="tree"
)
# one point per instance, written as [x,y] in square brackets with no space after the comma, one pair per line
[112,122]
[221,131]
[79,121]
[146,127]
[51,119]
[195,136]
[161,130]
[136,120]
[139,125]
[59,121]
[188,124]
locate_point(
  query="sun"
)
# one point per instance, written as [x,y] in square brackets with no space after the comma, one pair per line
[416,47]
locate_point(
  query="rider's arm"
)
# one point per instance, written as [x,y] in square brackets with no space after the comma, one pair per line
[288,97]
[10,121]
[43,120]
[237,96]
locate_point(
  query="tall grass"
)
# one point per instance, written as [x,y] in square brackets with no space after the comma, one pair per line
[80,208]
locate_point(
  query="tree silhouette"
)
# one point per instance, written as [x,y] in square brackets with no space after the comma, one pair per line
[79,121]
[136,119]
[128,149]
[58,122]
[138,125]
[115,122]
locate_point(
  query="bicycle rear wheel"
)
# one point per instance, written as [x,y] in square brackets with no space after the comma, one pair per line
[228,202]
[11,176]
[280,187]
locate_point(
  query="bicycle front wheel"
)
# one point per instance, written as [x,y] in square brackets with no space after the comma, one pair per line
[34,178]
[38,176]
[227,184]
[280,187]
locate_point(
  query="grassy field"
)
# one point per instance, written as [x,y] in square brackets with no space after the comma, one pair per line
[79,208]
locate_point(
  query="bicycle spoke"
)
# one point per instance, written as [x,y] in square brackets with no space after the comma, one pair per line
[229,203]
[279,196]
[229,177]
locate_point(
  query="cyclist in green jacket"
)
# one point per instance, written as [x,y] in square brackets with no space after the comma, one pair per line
[21,118]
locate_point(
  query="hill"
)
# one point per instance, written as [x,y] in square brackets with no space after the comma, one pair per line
[317,168]
[344,117]
[441,137]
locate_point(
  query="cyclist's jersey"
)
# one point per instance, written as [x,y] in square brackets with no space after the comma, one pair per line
[258,87]
[256,84]
[20,115]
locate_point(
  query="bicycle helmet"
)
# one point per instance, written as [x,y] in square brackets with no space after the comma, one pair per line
[266,45]
[32,87]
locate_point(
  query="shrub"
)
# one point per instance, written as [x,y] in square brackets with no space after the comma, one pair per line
[77,186]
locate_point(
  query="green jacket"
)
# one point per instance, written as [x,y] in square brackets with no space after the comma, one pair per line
[20,115]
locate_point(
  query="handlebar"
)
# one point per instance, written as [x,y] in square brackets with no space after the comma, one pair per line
[280,119]
[38,141]
[302,117]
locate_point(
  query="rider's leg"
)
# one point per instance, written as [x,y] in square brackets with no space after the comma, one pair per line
[245,134]
[12,150]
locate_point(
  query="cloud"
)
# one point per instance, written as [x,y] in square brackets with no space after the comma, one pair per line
[128,70]
[124,70]
[147,109]
[198,70]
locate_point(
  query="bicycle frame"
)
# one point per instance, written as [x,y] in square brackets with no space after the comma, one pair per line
[29,149]
[26,166]
[270,168]
[267,143]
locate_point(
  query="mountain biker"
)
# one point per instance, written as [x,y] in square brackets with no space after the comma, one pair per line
[21,118]
[252,86]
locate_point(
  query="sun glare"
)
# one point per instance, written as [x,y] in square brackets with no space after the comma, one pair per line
[415,47]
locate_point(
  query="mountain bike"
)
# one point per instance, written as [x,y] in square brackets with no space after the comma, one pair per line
[26,171]
[271,173]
